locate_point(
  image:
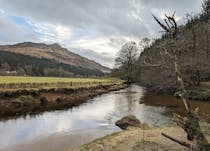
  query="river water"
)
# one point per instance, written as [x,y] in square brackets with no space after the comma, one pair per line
[59,130]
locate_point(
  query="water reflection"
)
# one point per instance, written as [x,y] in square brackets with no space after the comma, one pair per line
[93,119]
[176,105]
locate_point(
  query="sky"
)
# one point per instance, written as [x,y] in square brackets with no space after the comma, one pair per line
[95,29]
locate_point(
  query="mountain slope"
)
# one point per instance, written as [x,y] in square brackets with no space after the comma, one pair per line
[193,46]
[55,52]
[19,64]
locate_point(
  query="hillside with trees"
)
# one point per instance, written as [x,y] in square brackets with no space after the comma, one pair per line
[38,59]
[193,48]
[18,64]
[154,67]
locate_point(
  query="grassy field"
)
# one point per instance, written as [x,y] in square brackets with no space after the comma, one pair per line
[14,82]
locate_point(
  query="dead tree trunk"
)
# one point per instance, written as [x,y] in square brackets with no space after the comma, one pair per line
[190,123]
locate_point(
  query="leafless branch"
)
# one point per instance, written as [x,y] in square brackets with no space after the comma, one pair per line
[177,141]
[162,25]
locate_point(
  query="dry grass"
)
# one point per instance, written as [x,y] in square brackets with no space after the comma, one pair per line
[132,140]
[14,82]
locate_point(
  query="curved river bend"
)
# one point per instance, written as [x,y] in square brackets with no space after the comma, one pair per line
[59,130]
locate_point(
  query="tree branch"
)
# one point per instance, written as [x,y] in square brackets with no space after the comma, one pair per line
[163,26]
[177,141]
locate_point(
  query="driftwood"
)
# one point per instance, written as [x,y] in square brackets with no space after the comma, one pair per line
[177,141]
[190,123]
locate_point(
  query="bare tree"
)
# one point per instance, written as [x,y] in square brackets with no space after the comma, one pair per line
[126,59]
[190,123]
[145,43]
[205,14]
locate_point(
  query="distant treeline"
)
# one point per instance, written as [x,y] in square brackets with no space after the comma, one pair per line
[18,64]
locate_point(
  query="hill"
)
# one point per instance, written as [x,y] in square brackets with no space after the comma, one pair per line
[194,57]
[46,60]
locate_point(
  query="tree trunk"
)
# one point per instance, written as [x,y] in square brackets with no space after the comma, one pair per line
[190,123]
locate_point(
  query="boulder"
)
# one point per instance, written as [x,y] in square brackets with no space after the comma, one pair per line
[128,121]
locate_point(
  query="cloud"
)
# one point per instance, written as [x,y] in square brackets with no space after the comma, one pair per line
[51,33]
[127,17]
[103,49]
[2,11]
[78,13]
[91,24]
[11,32]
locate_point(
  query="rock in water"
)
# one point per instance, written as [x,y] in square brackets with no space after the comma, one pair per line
[127,121]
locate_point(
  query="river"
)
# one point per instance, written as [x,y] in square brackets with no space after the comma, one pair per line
[60,130]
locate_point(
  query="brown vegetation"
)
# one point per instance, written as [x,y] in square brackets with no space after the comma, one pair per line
[22,102]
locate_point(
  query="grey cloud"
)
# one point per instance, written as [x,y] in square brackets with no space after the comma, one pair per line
[107,16]
[179,5]
[105,59]
[103,18]
[12,33]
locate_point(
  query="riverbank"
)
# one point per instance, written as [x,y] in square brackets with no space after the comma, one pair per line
[70,128]
[22,101]
[201,92]
[135,139]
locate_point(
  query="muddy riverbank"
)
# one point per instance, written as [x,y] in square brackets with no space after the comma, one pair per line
[23,102]
[200,93]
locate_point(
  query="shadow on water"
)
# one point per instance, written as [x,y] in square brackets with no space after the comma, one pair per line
[176,105]
[58,130]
